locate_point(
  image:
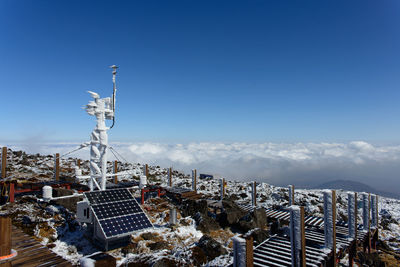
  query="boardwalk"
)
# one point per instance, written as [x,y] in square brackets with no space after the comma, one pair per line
[32,253]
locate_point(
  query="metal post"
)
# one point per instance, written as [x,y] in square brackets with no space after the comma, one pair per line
[78,163]
[365,212]
[146,171]
[222,188]
[172,216]
[355,218]
[254,194]
[377,211]
[115,171]
[3,162]
[291,195]
[239,252]
[330,222]
[170,177]
[334,226]
[194,180]
[295,235]
[350,213]
[57,167]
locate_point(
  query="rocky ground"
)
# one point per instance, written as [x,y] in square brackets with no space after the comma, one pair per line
[202,235]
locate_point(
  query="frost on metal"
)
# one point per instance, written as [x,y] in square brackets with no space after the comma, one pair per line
[239,252]
[328,219]
[253,193]
[374,217]
[193,180]
[295,234]
[103,109]
[291,200]
[351,215]
[222,181]
[365,201]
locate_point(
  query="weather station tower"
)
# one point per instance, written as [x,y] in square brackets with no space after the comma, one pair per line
[103,109]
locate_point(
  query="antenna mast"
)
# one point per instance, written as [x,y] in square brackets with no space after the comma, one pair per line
[114,73]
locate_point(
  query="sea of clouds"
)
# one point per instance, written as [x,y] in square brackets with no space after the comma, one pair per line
[303,164]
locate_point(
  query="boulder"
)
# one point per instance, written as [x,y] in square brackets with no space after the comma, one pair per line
[61,192]
[98,260]
[131,248]
[167,262]
[148,236]
[190,207]
[211,247]
[256,219]
[159,245]
[198,256]
[205,223]
[259,235]
[231,214]
[68,203]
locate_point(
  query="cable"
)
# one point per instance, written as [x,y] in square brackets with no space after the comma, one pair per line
[114,154]
[119,154]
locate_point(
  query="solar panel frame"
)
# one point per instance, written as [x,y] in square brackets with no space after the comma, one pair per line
[106,196]
[101,204]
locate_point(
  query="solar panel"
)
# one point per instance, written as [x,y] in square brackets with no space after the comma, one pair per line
[124,224]
[117,212]
[106,196]
[113,209]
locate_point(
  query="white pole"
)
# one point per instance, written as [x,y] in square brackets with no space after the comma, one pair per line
[295,235]
[328,221]
[374,213]
[239,252]
[365,200]
[351,214]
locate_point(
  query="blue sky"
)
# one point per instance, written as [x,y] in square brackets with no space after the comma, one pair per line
[214,71]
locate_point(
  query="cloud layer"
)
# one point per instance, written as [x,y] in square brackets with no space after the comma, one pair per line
[303,164]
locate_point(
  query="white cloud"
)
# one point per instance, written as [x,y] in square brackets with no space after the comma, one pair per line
[278,163]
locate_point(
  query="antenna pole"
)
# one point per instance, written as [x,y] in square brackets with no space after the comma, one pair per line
[114,73]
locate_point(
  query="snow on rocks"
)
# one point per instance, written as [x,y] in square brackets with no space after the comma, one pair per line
[57,228]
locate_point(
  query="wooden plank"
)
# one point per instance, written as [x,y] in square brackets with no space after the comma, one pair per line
[5,236]
[115,171]
[57,167]
[303,238]
[3,162]
[170,177]
[249,251]
[32,253]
